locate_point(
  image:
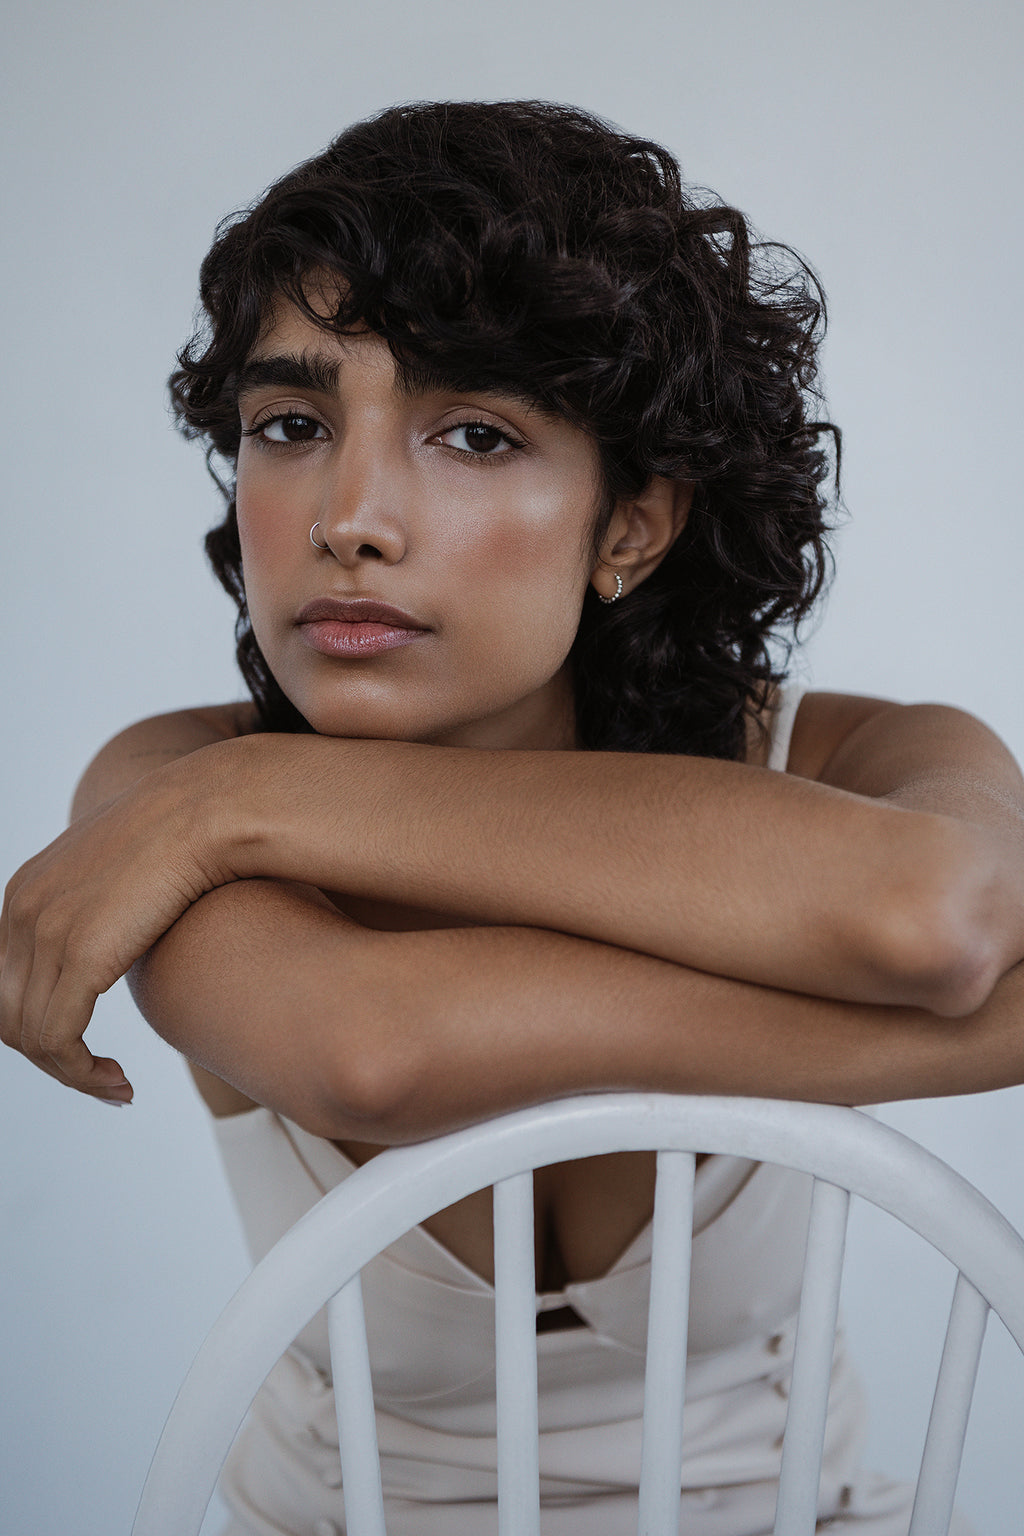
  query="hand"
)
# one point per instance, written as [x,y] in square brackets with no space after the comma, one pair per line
[78,915]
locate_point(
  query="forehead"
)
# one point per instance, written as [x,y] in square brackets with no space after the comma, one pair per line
[289,333]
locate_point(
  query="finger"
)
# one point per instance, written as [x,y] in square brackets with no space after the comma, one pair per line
[56,1010]
[63,1006]
[36,981]
[113,1086]
[5,922]
[73,1064]
[14,978]
[117,1091]
[28,981]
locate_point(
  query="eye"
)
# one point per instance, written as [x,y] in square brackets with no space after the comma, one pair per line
[479,438]
[289,427]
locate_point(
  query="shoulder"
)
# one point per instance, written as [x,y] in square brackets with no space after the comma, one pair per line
[873,746]
[150,743]
[823,721]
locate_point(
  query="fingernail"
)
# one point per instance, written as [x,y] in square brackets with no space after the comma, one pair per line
[101,1098]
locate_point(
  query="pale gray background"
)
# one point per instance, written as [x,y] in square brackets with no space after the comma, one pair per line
[882,139]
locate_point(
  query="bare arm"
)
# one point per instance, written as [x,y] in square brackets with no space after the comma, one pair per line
[888,868]
[789,882]
[388,1037]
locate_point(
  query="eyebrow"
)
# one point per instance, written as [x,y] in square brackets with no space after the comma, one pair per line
[415,380]
[288,370]
[317,371]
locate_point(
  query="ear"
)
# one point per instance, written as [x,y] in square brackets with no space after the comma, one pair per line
[641,532]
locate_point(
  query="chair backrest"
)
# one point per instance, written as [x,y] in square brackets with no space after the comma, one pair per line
[320,1260]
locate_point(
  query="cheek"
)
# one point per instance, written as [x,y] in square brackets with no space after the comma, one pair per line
[261,555]
[270,538]
[262,538]
[505,552]
[534,538]
[522,578]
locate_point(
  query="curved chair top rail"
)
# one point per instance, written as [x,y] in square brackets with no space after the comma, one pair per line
[399,1189]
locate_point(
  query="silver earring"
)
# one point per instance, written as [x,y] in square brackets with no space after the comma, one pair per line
[618,590]
[313,541]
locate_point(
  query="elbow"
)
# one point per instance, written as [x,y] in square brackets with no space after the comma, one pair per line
[368,1086]
[944,966]
[937,926]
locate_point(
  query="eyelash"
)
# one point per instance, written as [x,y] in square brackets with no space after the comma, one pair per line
[514,443]
[258,429]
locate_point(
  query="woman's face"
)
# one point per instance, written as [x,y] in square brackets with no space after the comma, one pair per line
[471,514]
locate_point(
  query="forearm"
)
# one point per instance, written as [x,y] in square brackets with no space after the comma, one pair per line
[387,1037]
[769,878]
[620,1021]
[751,874]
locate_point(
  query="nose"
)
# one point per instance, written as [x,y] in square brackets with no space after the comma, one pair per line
[360,517]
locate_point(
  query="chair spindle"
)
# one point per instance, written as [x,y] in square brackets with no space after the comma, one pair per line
[947,1426]
[515,1326]
[667,1322]
[796,1507]
[357,1423]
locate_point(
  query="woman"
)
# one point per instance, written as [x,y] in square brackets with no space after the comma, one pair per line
[521,458]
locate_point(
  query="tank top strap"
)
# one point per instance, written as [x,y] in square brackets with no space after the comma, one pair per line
[788,702]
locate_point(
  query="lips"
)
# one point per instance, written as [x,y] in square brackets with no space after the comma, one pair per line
[356,610]
[358,627]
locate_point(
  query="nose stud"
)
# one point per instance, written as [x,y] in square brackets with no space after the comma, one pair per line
[313,541]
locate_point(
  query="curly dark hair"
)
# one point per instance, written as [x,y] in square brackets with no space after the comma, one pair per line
[530,247]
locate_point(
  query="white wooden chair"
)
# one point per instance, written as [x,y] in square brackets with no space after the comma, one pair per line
[320,1260]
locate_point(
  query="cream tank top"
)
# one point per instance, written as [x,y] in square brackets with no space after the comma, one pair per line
[430,1325]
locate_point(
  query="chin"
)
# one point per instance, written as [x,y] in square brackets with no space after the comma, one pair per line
[355,722]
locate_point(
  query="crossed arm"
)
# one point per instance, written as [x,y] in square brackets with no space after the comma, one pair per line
[851,931]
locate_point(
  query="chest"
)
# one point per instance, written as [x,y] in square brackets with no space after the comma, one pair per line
[586,1213]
